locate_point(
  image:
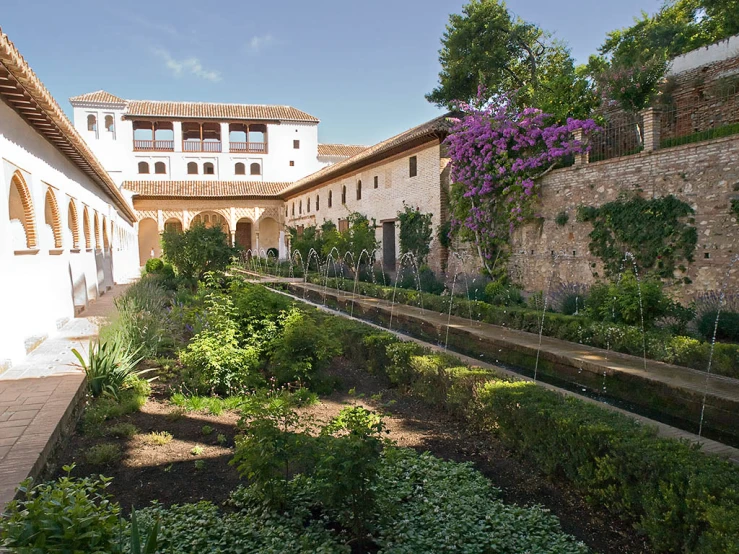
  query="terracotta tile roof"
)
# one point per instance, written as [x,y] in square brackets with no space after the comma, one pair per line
[340,150]
[205,189]
[23,91]
[434,129]
[151,108]
[97,97]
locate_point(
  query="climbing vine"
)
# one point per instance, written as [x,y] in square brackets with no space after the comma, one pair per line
[735,206]
[415,233]
[653,230]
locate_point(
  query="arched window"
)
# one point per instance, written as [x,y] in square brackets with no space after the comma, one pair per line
[51,217]
[21,210]
[92,122]
[86,228]
[300,208]
[208,169]
[73,224]
[143,168]
[330,198]
[192,168]
[307,206]
[359,190]
[255,169]
[239,169]
[109,125]
[293,209]
[343,194]
[318,202]
[160,168]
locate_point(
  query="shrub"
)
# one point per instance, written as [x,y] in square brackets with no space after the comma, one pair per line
[302,349]
[197,251]
[110,367]
[727,328]
[69,515]
[499,294]
[400,354]
[103,454]
[415,233]
[154,265]
[104,408]
[561,219]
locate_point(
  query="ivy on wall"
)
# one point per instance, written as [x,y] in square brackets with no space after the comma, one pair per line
[654,230]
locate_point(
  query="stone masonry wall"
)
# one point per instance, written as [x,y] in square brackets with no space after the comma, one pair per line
[705,175]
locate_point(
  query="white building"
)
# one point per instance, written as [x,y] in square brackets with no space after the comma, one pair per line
[66,231]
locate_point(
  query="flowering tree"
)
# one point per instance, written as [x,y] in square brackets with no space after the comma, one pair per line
[498,152]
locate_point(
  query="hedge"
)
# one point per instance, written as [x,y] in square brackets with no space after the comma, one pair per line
[661,345]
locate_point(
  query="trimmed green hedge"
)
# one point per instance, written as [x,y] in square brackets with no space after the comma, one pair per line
[661,345]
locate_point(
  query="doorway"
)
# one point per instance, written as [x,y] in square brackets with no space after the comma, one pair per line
[388,246]
[243,234]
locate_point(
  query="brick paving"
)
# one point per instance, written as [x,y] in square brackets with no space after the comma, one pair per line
[38,397]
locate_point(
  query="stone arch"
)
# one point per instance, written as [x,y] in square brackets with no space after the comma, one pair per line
[52,218]
[173,224]
[269,233]
[244,232]
[73,223]
[21,209]
[86,227]
[206,218]
[148,239]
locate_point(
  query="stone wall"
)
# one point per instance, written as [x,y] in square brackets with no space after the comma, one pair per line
[705,175]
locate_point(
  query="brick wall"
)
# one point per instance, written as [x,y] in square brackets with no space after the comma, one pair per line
[383,203]
[705,175]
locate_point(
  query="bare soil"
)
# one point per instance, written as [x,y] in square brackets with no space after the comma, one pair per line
[170,475]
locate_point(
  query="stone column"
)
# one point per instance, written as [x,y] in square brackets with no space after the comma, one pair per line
[177,136]
[160,221]
[652,128]
[584,158]
[225,144]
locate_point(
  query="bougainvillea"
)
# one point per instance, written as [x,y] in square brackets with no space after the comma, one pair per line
[498,153]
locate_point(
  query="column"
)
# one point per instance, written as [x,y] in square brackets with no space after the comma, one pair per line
[225,143]
[584,158]
[177,128]
[652,128]
[282,247]
[160,221]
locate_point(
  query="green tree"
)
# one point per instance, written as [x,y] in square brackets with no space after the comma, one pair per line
[356,238]
[198,250]
[486,46]
[415,233]
[310,239]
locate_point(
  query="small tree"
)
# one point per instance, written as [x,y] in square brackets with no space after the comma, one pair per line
[198,250]
[415,233]
[358,237]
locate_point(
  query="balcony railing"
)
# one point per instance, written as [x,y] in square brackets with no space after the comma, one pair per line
[157,145]
[258,147]
[201,146]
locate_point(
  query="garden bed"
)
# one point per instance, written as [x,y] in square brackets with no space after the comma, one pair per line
[168,473]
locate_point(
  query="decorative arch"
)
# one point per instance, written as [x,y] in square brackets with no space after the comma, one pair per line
[52,218]
[86,227]
[21,208]
[106,239]
[212,218]
[173,224]
[96,229]
[73,223]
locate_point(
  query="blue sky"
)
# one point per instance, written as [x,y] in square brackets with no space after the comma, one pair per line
[361,67]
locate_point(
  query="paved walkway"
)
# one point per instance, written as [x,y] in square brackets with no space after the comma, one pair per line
[39,395]
[591,358]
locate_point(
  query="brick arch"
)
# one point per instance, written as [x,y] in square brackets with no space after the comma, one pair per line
[27,219]
[52,217]
[73,223]
[86,227]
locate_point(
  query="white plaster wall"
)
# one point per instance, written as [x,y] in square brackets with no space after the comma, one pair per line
[720,51]
[395,186]
[37,287]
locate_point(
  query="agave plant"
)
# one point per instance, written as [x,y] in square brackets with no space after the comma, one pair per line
[109,366]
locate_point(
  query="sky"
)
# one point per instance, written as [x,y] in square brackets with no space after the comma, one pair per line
[362,68]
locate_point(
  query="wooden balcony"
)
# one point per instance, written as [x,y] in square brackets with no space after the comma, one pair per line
[201,146]
[153,145]
[254,147]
